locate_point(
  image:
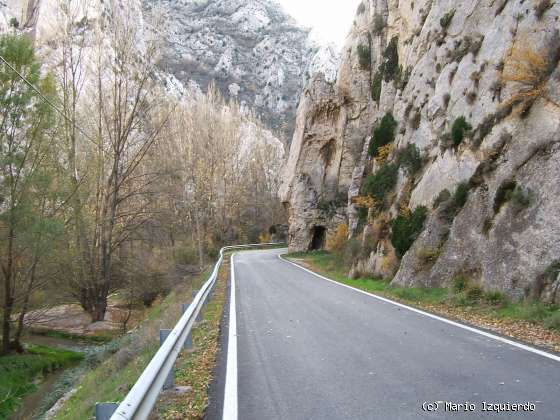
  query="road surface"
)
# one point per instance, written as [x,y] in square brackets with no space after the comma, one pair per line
[307,348]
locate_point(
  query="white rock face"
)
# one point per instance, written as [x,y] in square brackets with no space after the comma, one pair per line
[452,58]
[252,45]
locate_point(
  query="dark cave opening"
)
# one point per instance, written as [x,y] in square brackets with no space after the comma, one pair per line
[318,240]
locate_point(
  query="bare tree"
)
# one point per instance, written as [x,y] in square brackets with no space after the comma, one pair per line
[226,171]
[127,127]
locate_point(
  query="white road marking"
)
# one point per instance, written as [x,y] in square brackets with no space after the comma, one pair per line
[230,393]
[447,321]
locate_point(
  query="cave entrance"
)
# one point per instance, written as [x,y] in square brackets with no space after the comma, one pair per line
[318,239]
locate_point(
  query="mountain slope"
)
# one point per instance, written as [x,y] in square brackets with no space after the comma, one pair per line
[254,51]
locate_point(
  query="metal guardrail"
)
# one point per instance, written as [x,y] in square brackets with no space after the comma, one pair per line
[143,396]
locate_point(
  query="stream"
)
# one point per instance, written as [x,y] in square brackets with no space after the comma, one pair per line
[33,402]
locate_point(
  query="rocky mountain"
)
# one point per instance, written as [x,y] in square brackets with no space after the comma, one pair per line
[437,146]
[252,49]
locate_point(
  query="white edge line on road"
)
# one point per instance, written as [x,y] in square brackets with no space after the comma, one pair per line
[447,321]
[230,393]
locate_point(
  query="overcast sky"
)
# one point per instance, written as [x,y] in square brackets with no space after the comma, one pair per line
[332,19]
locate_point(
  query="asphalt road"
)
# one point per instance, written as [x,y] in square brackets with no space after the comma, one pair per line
[311,349]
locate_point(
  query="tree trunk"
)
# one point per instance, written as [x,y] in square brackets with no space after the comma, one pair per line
[7,313]
[199,241]
[99,309]
[25,306]
[8,297]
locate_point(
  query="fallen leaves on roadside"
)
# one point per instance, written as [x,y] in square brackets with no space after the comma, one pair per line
[195,369]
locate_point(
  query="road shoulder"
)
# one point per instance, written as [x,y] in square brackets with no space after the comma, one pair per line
[548,347]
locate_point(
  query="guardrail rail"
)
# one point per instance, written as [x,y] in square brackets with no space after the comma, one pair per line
[158,375]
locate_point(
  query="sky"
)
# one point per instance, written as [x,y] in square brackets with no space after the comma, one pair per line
[332,19]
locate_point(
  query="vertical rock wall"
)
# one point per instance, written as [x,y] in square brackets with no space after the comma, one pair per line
[492,62]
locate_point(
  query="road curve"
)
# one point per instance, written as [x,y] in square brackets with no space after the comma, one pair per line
[311,349]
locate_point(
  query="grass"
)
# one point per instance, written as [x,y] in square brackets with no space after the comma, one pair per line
[461,295]
[328,264]
[20,374]
[98,338]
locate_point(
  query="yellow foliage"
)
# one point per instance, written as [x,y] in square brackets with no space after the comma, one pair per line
[390,262]
[265,238]
[336,242]
[364,201]
[429,254]
[529,70]
[383,153]
[404,210]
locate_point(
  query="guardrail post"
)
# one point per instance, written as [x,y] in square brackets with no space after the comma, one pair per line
[188,342]
[104,411]
[170,380]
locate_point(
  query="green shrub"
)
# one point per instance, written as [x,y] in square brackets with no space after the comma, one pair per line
[406,228]
[378,24]
[495,298]
[445,21]
[362,216]
[462,48]
[383,134]
[521,197]
[460,284]
[461,196]
[487,226]
[442,197]
[429,255]
[451,205]
[459,129]
[534,311]
[14,23]
[390,65]
[475,293]
[376,86]
[364,56]
[382,182]
[410,159]
[503,194]
[552,322]
[461,299]
[402,77]
[511,191]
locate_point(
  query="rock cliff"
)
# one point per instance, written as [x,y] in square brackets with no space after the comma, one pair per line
[438,146]
[256,53]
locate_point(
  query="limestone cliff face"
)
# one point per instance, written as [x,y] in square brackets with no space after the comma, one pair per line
[253,50]
[474,87]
